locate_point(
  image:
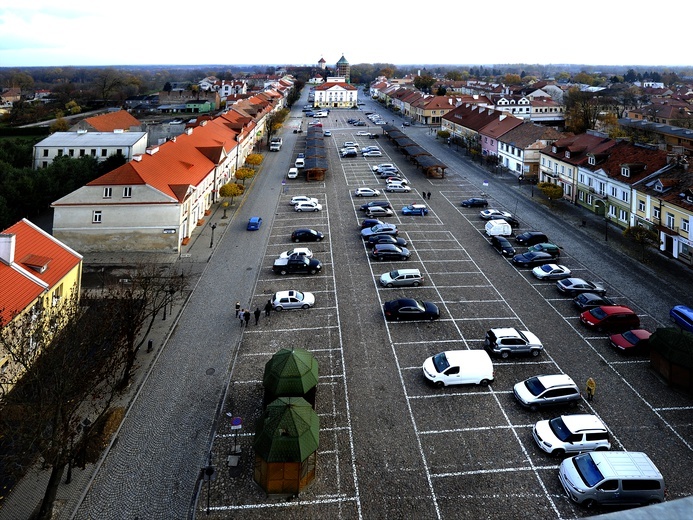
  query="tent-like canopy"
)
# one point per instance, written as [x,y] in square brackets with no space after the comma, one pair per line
[288,431]
[291,373]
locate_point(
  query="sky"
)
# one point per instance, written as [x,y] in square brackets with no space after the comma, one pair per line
[62,33]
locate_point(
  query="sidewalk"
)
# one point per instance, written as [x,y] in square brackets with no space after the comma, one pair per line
[25,498]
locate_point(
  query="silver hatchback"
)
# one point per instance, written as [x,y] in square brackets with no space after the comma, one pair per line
[401,278]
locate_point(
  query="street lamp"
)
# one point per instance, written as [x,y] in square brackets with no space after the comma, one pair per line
[211,242]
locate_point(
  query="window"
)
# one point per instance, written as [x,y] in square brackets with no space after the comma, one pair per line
[623,215]
[641,205]
[591,160]
[96,217]
[93,152]
[82,151]
[625,196]
[625,171]
[104,152]
[684,225]
[671,220]
[119,151]
[107,193]
[44,164]
[71,152]
[581,178]
[614,191]
[60,153]
[655,213]
[127,192]
[45,152]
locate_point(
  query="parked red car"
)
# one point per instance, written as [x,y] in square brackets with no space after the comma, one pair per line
[614,318]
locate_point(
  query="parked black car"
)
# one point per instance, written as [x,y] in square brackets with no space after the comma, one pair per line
[381,203]
[306,235]
[529,238]
[410,309]
[474,202]
[532,258]
[503,246]
[510,220]
[385,239]
[390,252]
[587,301]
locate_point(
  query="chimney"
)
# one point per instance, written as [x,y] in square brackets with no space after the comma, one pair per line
[189,130]
[7,246]
[152,150]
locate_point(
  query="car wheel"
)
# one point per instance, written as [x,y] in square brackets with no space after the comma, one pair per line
[358,195]
[533,407]
[318,239]
[316,209]
[380,258]
[313,271]
[296,240]
[484,382]
[589,504]
[416,284]
[282,272]
[305,306]
[505,354]
[299,209]
[535,353]
[279,308]
[558,453]
[439,384]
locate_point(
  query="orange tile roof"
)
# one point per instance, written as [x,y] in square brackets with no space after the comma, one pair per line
[120,120]
[185,161]
[20,282]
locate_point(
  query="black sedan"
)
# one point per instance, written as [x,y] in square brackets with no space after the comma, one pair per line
[474,202]
[510,220]
[306,235]
[385,239]
[410,309]
[381,203]
[384,252]
[532,258]
[588,300]
[370,222]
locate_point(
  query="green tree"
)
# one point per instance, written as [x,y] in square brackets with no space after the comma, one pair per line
[424,83]
[643,237]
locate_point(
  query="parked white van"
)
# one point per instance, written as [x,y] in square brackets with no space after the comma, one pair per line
[459,367]
[498,227]
[612,477]
[293,173]
[300,162]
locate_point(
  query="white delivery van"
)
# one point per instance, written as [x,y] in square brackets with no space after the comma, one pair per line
[300,162]
[459,367]
[497,227]
[612,477]
[321,113]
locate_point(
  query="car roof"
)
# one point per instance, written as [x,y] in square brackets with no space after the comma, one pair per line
[582,421]
[506,332]
[255,219]
[555,380]
[616,309]
[391,247]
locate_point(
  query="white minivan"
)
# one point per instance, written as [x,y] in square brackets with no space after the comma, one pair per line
[293,173]
[612,477]
[498,227]
[459,367]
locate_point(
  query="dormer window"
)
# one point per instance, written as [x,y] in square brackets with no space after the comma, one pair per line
[625,171]
[659,187]
[554,149]
[591,160]
[567,154]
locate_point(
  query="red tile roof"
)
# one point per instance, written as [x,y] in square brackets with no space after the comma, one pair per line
[120,120]
[22,283]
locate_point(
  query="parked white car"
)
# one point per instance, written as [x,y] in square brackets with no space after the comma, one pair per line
[301,251]
[373,153]
[459,367]
[377,212]
[293,173]
[308,206]
[366,192]
[397,188]
[292,300]
[572,433]
[301,198]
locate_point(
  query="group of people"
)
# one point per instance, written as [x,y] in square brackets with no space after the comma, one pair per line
[243,315]
[426,196]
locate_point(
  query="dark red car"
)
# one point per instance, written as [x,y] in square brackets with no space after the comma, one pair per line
[636,341]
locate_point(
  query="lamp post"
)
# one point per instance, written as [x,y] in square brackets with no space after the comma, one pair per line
[211,242]
[171,292]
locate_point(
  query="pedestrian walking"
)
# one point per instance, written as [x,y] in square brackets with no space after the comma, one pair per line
[238,308]
[423,194]
[429,195]
[246,317]
[268,308]
[591,387]
[257,314]
[241,316]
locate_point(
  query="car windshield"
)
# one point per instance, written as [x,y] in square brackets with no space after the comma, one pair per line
[598,313]
[298,295]
[630,337]
[440,361]
[534,386]
[559,428]
[394,274]
[588,470]
[546,268]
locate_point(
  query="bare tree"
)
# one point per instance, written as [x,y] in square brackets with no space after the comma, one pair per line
[65,364]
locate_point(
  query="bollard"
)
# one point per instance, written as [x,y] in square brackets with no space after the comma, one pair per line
[150,345]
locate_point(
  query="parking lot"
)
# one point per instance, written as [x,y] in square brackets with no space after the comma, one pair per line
[391,445]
